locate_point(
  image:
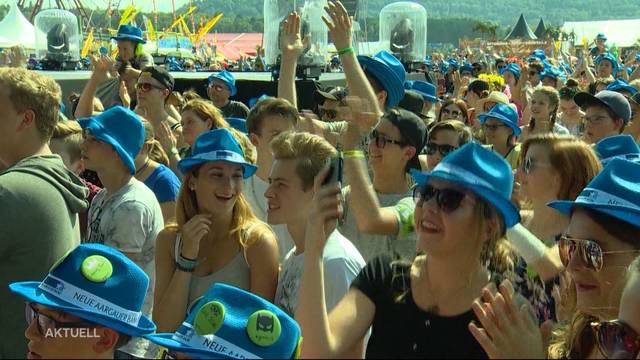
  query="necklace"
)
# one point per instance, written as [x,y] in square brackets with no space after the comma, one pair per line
[143,167]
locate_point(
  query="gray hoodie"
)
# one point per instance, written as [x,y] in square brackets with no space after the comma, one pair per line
[39,204]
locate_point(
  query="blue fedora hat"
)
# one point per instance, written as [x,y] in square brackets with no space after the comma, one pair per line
[466,67]
[238,124]
[228,79]
[96,283]
[426,89]
[601,36]
[453,63]
[216,145]
[614,192]
[482,171]
[129,32]
[504,113]
[228,322]
[512,68]
[621,85]
[608,57]
[120,128]
[622,146]
[389,72]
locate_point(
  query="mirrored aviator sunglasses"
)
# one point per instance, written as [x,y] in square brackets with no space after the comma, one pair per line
[590,252]
[616,339]
[448,200]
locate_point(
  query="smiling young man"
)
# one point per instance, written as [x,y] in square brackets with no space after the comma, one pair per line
[606,114]
[39,198]
[268,118]
[125,214]
[298,159]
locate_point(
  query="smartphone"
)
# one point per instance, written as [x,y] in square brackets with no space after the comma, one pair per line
[335,170]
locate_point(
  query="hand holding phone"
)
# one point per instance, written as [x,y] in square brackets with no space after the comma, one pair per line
[335,170]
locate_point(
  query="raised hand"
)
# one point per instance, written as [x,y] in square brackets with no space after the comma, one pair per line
[102,65]
[192,233]
[339,24]
[326,209]
[165,136]
[290,41]
[124,94]
[508,332]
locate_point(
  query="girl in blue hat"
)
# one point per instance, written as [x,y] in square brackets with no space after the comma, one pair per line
[216,236]
[420,309]
[598,246]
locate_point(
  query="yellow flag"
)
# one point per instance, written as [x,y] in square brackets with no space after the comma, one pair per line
[208,26]
[585,42]
[151,30]
[87,44]
[557,45]
[126,15]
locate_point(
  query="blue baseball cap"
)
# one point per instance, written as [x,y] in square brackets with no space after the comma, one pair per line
[389,72]
[482,171]
[238,124]
[614,191]
[227,78]
[601,36]
[129,32]
[618,146]
[216,145]
[228,322]
[425,89]
[96,283]
[610,59]
[504,113]
[621,85]
[120,128]
[512,68]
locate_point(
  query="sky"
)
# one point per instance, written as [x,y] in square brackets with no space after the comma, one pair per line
[147,5]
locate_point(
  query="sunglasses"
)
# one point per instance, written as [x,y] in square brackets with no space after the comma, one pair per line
[448,200]
[45,325]
[147,86]
[590,252]
[528,165]
[328,113]
[454,113]
[382,141]
[493,127]
[616,339]
[502,67]
[443,149]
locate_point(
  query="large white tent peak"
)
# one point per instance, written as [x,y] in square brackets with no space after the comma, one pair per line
[620,32]
[16,29]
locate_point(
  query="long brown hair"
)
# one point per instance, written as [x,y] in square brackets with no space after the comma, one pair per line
[554,100]
[574,160]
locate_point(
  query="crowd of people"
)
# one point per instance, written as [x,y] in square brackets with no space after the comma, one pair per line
[435,218]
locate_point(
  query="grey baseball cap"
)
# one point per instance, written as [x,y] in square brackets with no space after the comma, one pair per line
[615,101]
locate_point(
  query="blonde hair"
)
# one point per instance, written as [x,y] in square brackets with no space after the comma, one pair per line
[311,152]
[270,106]
[156,152]
[70,134]
[29,90]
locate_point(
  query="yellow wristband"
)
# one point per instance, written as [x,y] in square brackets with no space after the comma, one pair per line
[354,154]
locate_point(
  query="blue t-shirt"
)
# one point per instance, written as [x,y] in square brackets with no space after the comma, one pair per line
[164,184]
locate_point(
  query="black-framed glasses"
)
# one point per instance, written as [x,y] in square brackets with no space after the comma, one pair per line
[590,252]
[492,127]
[46,325]
[147,87]
[616,339]
[443,149]
[448,200]
[529,165]
[382,141]
[454,113]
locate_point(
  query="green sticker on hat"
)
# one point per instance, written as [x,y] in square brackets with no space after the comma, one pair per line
[263,328]
[209,318]
[96,268]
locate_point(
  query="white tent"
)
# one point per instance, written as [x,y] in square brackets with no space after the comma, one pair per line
[623,33]
[17,30]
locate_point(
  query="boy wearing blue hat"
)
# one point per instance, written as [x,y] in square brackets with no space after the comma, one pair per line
[130,51]
[221,87]
[40,198]
[606,65]
[427,91]
[601,47]
[125,214]
[86,307]
[606,114]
